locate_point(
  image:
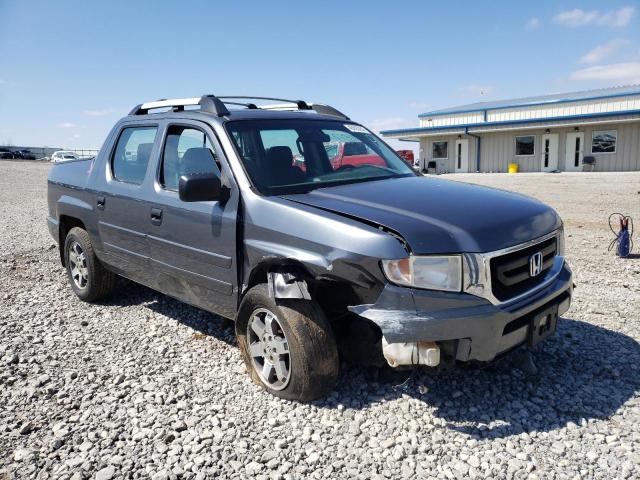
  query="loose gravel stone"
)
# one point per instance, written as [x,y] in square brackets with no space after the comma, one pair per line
[106,473]
[143,386]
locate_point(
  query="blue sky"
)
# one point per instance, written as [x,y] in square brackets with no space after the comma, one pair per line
[70,69]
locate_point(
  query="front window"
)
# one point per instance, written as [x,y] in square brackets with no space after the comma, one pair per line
[440,150]
[294,156]
[525,145]
[186,150]
[604,141]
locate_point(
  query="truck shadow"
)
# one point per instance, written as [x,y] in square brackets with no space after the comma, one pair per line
[585,372]
[201,321]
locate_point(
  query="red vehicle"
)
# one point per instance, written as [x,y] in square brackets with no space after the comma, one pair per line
[407,156]
[344,154]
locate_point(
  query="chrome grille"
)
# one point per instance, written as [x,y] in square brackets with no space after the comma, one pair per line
[510,273]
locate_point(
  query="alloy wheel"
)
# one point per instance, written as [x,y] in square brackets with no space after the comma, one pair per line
[78,265]
[269,349]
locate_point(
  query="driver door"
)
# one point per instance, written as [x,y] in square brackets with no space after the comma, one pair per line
[193,244]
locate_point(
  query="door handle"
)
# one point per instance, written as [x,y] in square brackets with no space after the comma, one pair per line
[156,216]
[100,201]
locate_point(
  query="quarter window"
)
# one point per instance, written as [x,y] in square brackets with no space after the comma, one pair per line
[131,157]
[440,150]
[525,145]
[186,150]
[604,141]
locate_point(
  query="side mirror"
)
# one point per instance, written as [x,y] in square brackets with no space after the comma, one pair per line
[200,187]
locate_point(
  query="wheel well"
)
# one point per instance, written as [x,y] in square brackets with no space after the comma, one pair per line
[259,273]
[65,225]
[358,338]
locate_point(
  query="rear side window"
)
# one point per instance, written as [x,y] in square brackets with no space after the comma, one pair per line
[132,153]
[186,150]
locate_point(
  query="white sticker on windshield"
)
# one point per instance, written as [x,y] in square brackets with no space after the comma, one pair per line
[356,128]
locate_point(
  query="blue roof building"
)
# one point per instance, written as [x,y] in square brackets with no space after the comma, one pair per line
[545,133]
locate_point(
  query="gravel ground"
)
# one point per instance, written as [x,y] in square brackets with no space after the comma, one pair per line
[144,386]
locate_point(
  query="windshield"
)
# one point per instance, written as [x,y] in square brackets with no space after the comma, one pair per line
[294,156]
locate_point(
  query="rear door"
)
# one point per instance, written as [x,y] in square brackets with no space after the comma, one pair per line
[120,209]
[193,244]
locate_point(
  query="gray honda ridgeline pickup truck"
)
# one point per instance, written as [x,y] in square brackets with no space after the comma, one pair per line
[241,209]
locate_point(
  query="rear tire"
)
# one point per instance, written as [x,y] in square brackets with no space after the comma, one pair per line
[89,279]
[300,340]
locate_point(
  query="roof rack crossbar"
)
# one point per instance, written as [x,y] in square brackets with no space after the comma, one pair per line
[302,105]
[208,103]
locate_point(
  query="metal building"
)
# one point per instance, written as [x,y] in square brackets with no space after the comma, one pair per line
[546,133]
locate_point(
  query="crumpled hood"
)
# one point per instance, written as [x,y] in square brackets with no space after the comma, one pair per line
[440,216]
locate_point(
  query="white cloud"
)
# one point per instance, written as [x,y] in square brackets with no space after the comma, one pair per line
[601,52]
[76,135]
[2,81]
[580,18]
[392,123]
[615,72]
[100,113]
[533,24]
[66,125]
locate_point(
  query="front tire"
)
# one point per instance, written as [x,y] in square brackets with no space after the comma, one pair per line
[288,347]
[89,279]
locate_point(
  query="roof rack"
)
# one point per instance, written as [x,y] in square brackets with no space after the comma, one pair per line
[216,105]
[208,103]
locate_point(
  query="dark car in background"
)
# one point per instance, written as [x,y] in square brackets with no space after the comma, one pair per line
[24,154]
[246,213]
[6,154]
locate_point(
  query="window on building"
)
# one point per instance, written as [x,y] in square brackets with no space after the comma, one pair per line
[604,141]
[525,145]
[186,150]
[131,157]
[440,150]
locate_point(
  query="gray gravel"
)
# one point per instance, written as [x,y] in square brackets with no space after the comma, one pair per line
[143,386]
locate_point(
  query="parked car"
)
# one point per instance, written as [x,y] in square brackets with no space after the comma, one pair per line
[407,156]
[347,155]
[24,154]
[311,264]
[6,154]
[63,156]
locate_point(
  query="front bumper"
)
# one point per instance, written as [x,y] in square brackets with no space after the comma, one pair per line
[482,329]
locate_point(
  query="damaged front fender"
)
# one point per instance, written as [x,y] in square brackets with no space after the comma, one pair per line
[287,285]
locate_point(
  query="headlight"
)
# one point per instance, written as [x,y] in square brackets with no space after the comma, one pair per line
[561,242]
[437,272]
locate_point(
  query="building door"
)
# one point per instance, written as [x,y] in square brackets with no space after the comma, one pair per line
[462,156]
[549,157]
[574,151]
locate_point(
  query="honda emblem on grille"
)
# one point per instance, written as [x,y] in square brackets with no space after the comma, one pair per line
[535,264]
